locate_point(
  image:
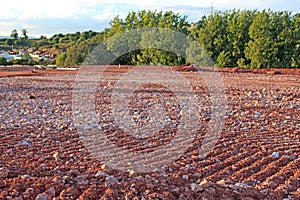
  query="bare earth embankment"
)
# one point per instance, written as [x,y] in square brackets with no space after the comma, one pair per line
[43,157]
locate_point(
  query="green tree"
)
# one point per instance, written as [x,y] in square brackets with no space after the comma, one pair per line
[24,33]
[272,41]
[144,19]
[198,55]
[3,61]
[77,53]
[14,34]
[283,38]
[259,49]
[26,56]
[238,38]
[249,38]
[211,34]
[224,59]
[60,60]
[296,35]
[9,42]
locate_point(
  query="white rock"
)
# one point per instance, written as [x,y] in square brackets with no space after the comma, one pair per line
[275,154]
[110,180]
[101,173]
[56,155]
[42,197]
[185,177]
[196,187]
[131,172]
[242,185]
[221,182]
[204,182]
[23,143]
[26,176]
[50,192]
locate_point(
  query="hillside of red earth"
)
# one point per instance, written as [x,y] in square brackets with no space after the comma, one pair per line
[43,155]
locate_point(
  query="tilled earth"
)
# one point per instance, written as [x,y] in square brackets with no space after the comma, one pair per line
[43,155]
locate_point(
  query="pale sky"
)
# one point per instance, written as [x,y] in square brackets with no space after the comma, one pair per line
[47,17]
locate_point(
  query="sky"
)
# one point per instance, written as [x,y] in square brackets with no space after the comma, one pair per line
[49,17]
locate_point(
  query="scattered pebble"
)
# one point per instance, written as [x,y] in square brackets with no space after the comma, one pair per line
[23,143]
[3,172]
[101,173]
[110,180]
[275,154]
[26,176]
[185,177]
[196,187]
[42,197]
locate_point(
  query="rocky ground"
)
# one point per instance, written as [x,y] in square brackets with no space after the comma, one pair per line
[257,156]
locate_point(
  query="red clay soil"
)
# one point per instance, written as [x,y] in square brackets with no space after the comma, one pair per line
[44,157]
[291,71]
[30,71]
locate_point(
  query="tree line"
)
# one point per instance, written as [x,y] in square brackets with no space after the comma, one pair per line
[14,34]
[244,38]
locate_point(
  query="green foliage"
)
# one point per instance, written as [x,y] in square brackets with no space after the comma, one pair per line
[223,59]
[9,42]
[248,38]
[32,62]
[296,31]
[39,43]
[259,47]
[24,33]
[14,34]
[26,56]
[213,34]
[72,37]
[20,62]
[238,37]
[3,61]
[272,41]
[197,55]
[224,35]
[76,54]
[60,60]
[154,47]
[156,44]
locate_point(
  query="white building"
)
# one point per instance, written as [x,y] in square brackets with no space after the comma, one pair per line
[18,57]
[35,57]
[7,56]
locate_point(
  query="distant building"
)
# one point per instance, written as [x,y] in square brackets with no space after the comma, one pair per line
[7,56]
[35,57]
[17,57]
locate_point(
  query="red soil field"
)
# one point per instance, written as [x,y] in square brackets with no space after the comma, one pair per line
[256,157]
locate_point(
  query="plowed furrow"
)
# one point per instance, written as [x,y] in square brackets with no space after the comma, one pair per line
[281,177]
[254,167]
[267,170]
[224,163]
